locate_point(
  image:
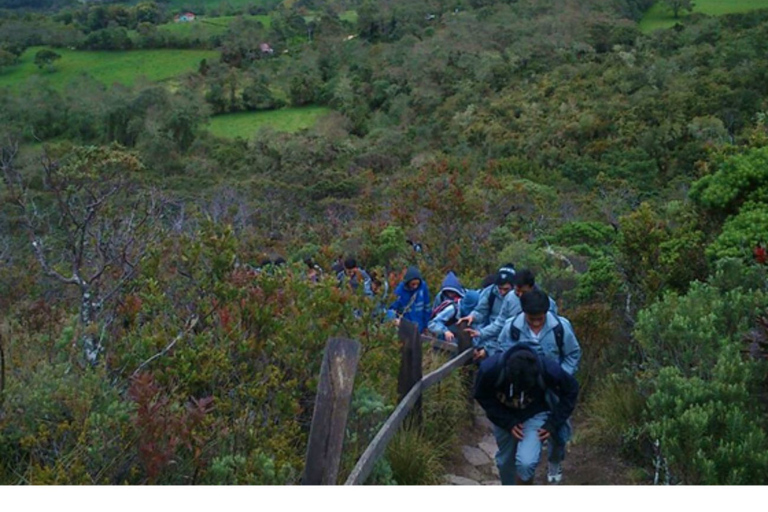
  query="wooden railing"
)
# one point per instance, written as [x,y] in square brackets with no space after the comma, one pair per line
[334,396]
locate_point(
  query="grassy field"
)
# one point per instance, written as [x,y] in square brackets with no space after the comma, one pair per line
[245,124]
[660,15]
[194,5]
[107,67]
[210,26]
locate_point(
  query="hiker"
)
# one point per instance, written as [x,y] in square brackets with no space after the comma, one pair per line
[413,302]
[528,399]
[761,257]
[338,265]
[551,337]
[313,270]
[490,304]
[354,275]
[380,290]
[449,313]
[450,289]
[523,281]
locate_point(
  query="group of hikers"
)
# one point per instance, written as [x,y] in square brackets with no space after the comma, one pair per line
[527,356]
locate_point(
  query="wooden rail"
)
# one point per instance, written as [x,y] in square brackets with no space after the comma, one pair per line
[334,394]
[375,450]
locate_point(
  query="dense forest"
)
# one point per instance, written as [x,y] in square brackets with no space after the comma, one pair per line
[143,340]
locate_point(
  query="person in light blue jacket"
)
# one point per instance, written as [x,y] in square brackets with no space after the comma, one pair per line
[552,337]
[523,281]
[492,298]
[441,323]
[451,289]
[413,302]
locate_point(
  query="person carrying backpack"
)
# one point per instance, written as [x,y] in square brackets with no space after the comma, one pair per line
[551,337]
[451,289]
[523,281]
[528,399]
[413,300]
[449,312]
[490,304]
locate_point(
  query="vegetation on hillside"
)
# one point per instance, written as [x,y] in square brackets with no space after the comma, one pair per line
[627,170]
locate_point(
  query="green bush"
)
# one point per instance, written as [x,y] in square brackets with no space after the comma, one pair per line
[710,430]
[690,331]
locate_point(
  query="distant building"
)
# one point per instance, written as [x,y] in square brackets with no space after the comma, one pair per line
[184,17]
[266,49]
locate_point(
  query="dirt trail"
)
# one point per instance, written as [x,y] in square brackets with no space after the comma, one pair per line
[585,464]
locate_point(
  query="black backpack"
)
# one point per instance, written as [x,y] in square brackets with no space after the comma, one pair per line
[514,333]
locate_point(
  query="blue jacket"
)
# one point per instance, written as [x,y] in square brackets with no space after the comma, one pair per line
[556,392]
[447,317]
[509,309]
[484,314]
[412,305]
[452,283]
[545,344]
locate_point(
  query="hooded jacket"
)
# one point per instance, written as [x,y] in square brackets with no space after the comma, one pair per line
[451,314]
[412,305]
[544,344]
[452,283]
[556,392]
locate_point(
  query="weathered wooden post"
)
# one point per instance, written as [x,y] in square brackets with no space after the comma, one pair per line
[329,421]
[410,364]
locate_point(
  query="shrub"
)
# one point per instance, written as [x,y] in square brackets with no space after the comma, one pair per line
[709,430]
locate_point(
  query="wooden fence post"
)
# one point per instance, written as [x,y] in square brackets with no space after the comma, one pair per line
[410,364]
[329,421]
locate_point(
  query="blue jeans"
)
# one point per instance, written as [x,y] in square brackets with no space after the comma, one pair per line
[519,457]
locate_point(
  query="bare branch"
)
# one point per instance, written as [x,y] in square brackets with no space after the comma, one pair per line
[190,325]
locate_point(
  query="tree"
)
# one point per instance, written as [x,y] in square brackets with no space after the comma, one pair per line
[89,225]
[7,59]
[680,5]
[45,58]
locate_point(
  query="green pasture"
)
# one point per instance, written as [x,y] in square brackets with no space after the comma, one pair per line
[660,15]
[245,124]
[209,26]
[350,16]
[195,5]
[106,67]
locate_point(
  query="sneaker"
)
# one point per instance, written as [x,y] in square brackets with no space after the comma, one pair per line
[554,473]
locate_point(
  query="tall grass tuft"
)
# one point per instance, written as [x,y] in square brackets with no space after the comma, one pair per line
[414,458]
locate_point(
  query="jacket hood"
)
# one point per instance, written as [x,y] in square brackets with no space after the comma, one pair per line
[411,274]
[452,283]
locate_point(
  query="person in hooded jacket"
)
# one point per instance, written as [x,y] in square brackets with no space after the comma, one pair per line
[451,289]
[413,300]
[442,324]
[528,399]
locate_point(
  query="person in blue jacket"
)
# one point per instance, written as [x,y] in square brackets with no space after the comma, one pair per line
[413,301]
[528,399]
[451,289]
[490,304]
[523,280]
[551,337]
[442,322]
